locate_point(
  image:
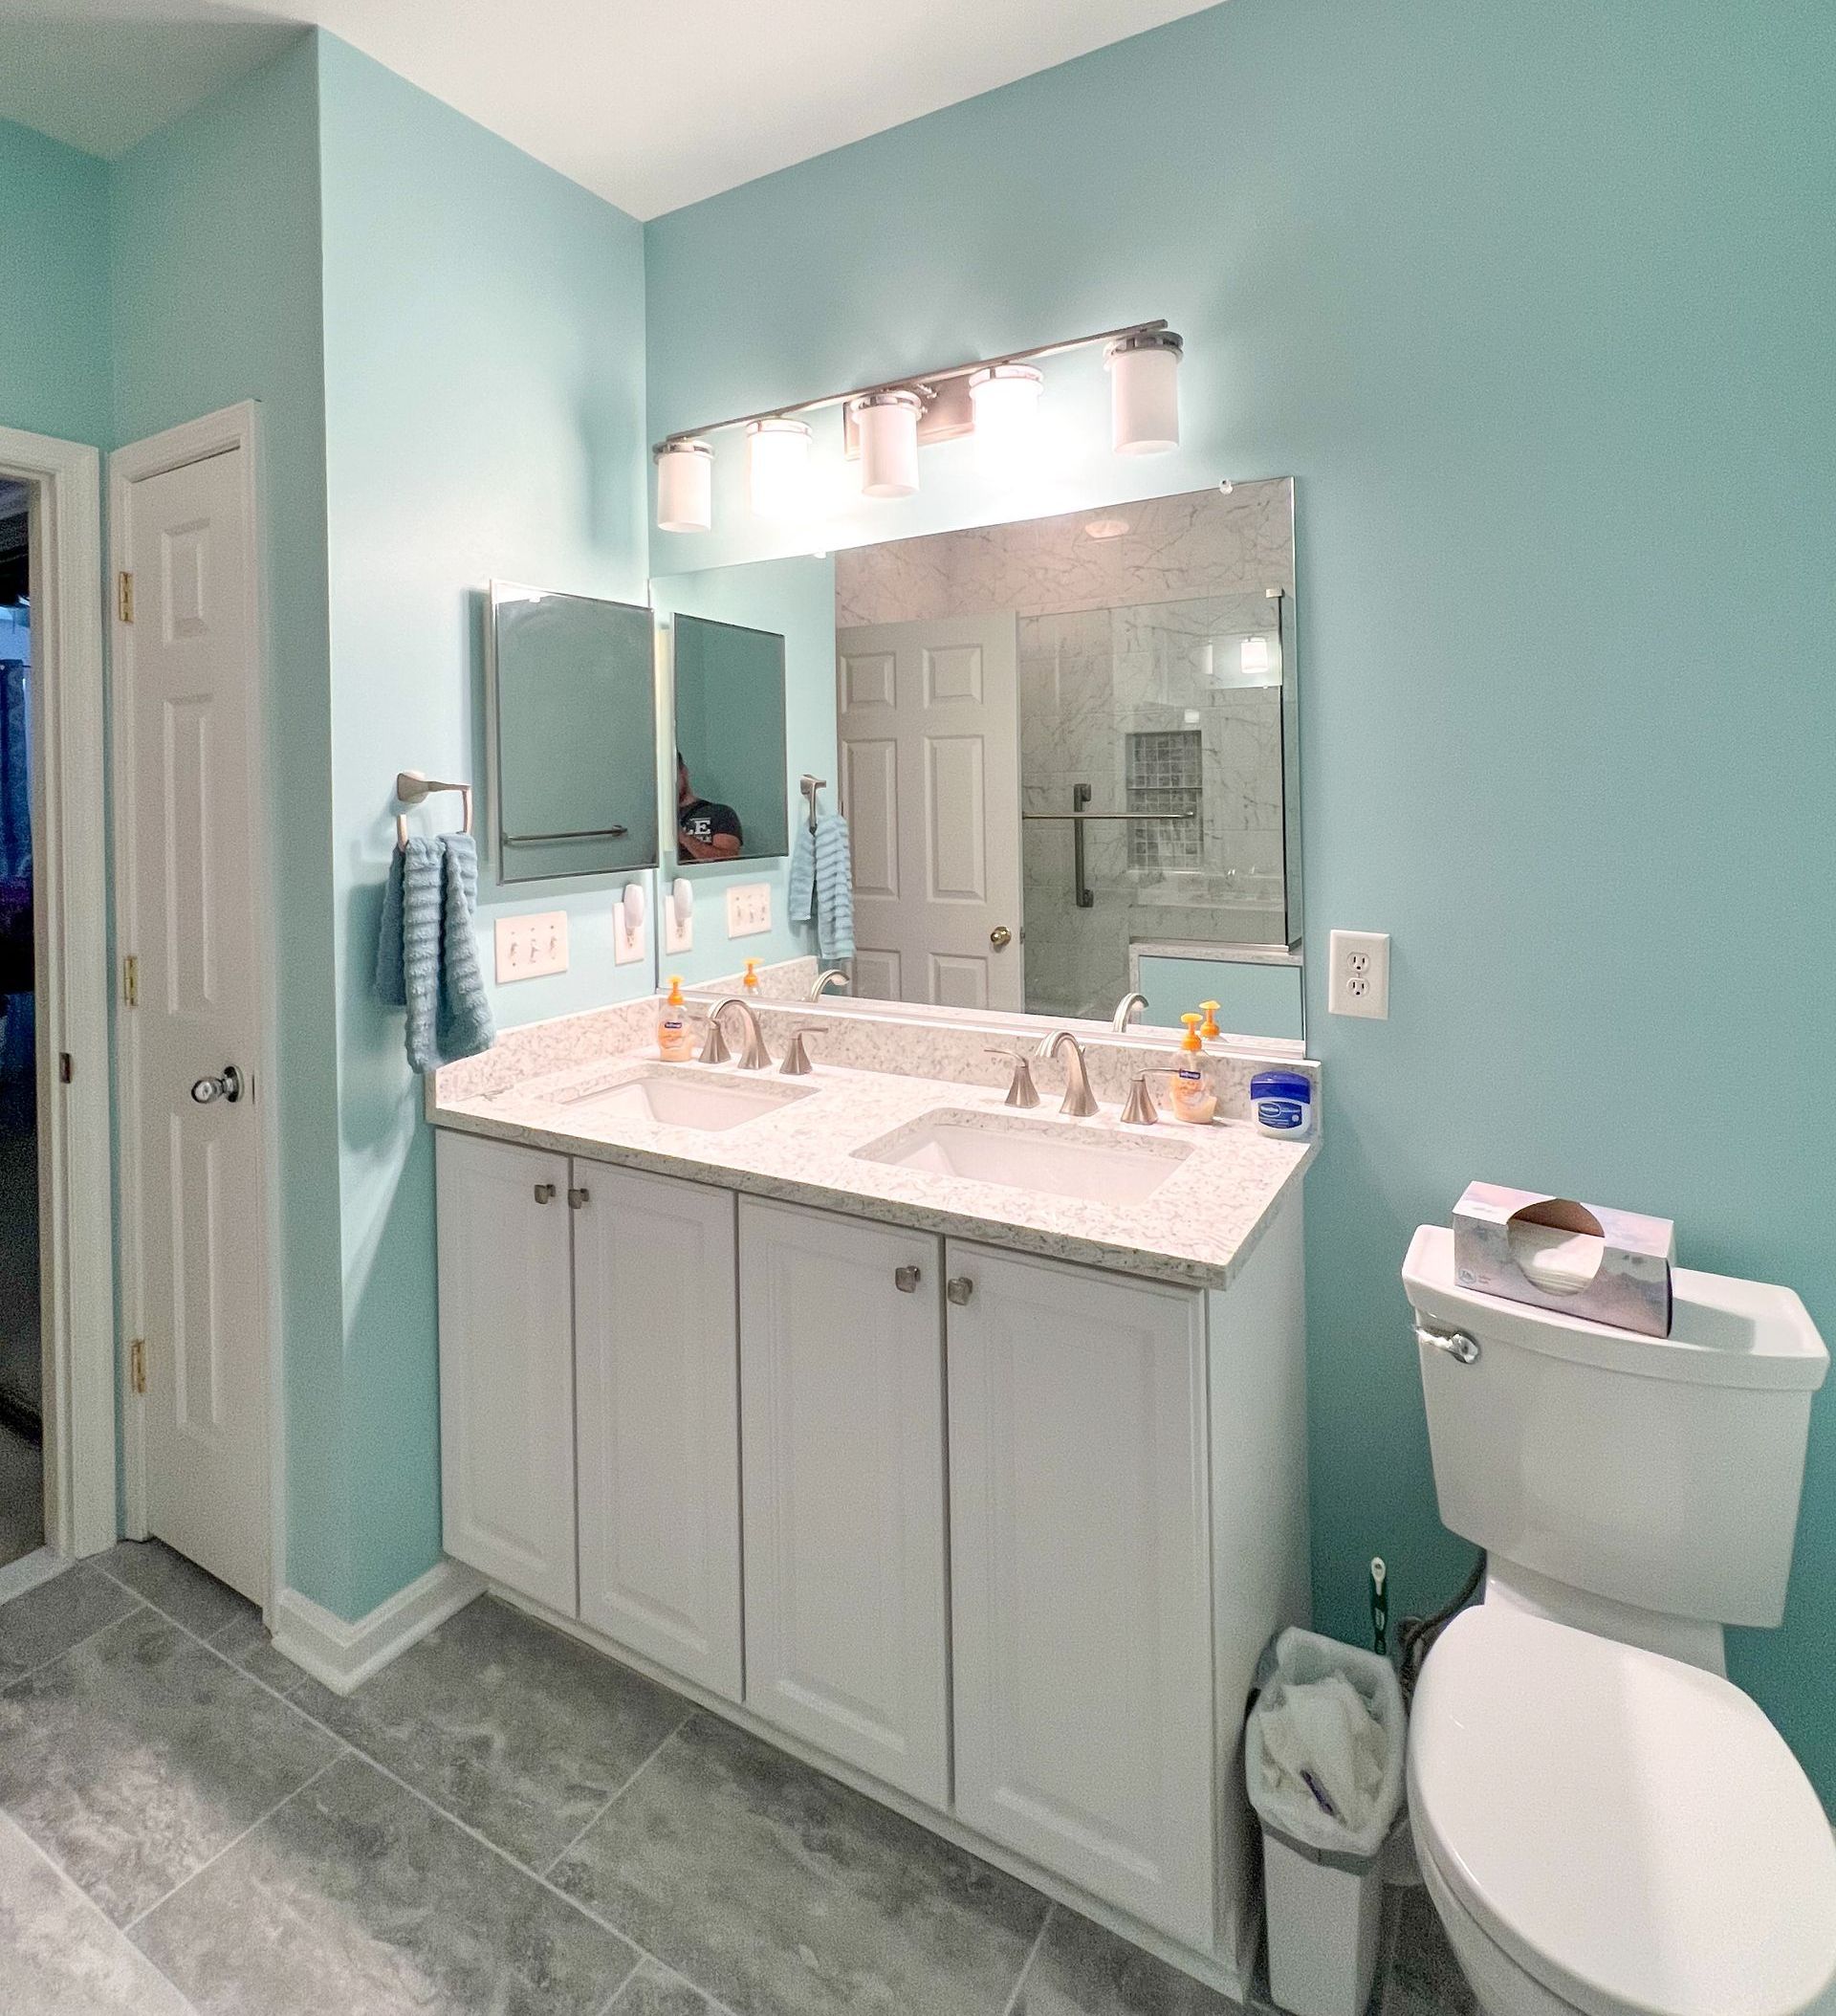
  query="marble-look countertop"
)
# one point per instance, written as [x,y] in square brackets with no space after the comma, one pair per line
[1197,1228]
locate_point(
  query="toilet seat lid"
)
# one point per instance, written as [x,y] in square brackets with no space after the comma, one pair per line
[1632,1830]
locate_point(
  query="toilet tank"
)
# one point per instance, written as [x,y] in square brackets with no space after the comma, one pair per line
[1663,1472]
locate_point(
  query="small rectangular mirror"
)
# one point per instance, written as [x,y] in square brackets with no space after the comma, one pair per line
[730,781]
[571,712]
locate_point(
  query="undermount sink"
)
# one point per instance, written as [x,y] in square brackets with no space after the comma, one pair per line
[1032,1154]
[685,1098]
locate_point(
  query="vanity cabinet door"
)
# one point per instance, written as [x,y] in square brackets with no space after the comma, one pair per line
[506,1364]
[841,1424]
[1081,1573]
[656,1374]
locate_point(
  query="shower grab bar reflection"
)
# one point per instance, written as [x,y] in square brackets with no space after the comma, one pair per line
[1078,819]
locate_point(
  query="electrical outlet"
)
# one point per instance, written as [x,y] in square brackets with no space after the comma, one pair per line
[628,946]
[532,945]
[1358,966]
[678,932]
[749,910]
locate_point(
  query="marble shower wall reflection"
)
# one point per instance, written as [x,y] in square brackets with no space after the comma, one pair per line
[1152,670]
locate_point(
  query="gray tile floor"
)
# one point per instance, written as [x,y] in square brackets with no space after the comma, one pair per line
[502,1821]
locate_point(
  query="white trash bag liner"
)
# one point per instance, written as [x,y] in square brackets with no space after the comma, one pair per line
[1324,1749]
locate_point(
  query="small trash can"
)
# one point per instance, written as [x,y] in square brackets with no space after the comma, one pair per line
[1323,1759]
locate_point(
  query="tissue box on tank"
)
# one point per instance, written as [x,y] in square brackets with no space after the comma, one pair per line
[1499,1236]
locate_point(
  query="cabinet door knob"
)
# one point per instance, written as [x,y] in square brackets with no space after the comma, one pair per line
[544,1193]
[578,1199]
[959,1290]
[906,1279]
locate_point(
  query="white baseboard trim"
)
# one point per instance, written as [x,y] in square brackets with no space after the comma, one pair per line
[26,1573]
[343,1655]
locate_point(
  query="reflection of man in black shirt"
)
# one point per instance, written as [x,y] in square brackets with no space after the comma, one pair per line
[704,831]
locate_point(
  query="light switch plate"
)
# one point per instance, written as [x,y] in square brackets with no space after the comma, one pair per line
[532,945]
[749,910]
[1358,970]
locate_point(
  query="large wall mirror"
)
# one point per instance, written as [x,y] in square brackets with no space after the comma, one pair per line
[572,721]
[1066,753]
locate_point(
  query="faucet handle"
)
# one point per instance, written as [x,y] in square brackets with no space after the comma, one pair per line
[1140,1110]
[1021,1092]
[714,1048]
[796,1059]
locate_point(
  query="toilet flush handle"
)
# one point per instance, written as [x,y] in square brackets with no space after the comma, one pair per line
[1457,1344]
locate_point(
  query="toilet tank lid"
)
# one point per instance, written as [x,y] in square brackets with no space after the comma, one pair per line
[1724,1331]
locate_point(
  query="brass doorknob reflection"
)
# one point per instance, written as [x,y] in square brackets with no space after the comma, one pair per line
[1001,936]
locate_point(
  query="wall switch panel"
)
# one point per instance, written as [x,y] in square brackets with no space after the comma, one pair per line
[678,932]
[628,946]
[532,945]
[1358,970]
[749,910]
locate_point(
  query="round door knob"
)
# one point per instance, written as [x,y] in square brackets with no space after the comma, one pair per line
[906,1280]
[227,1085]
[1000,937]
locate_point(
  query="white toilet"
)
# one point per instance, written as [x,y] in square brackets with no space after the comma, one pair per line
[1605,1823]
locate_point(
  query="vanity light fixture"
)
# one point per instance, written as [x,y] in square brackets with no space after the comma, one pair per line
[684,486]
[1143,391]
[890,421]
[777,453]
[888,425]
[1006,403]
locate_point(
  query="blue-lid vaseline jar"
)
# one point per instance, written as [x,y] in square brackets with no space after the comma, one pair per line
[1282,1102]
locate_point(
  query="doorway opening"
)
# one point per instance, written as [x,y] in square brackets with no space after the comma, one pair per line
[22,1369]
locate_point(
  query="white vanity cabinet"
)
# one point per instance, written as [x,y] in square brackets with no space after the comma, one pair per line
[657,1420]
[841,1411]
[1081,1578]
[506,1365]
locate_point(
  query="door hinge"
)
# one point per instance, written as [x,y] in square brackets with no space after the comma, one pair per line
[66,1067]
[126,595]
[137,1365]
[131,979]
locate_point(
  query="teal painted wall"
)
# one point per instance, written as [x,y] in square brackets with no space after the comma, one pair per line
[54,283]
[1253,999]
[484,397]
[795,598]
[1534,303]
[215,264]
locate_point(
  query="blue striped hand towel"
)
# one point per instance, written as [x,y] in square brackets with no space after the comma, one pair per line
[426,956]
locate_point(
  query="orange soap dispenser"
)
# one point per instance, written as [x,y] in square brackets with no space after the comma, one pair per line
[1193,1099]
[674,1043]
[750,982]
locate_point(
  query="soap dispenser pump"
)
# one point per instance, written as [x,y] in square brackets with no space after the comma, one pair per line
[750,983]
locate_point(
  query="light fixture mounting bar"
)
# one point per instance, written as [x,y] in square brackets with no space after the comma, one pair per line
[912,380]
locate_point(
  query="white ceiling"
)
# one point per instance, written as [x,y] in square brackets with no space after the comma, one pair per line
[651,103]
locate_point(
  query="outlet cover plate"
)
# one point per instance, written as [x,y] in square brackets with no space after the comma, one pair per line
[628,946]
[1358,966]
[531,944]
[678,932]
[749,910]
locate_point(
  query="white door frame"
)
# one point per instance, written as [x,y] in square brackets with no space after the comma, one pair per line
[235,426]
[71,906]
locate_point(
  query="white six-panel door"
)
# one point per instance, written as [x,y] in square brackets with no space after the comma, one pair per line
[1079,1552]
[657,1395]
[927,729]
[841,1409]
[186,672]
[506,1365]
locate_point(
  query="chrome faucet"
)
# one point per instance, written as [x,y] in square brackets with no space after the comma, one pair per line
[753,1056]
[830,976]
[1127,1009]
[1079,1102]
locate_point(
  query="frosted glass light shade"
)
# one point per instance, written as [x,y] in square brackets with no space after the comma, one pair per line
[888,422]
[684,487]
[1144,392]
[778,466]
[1006,402]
